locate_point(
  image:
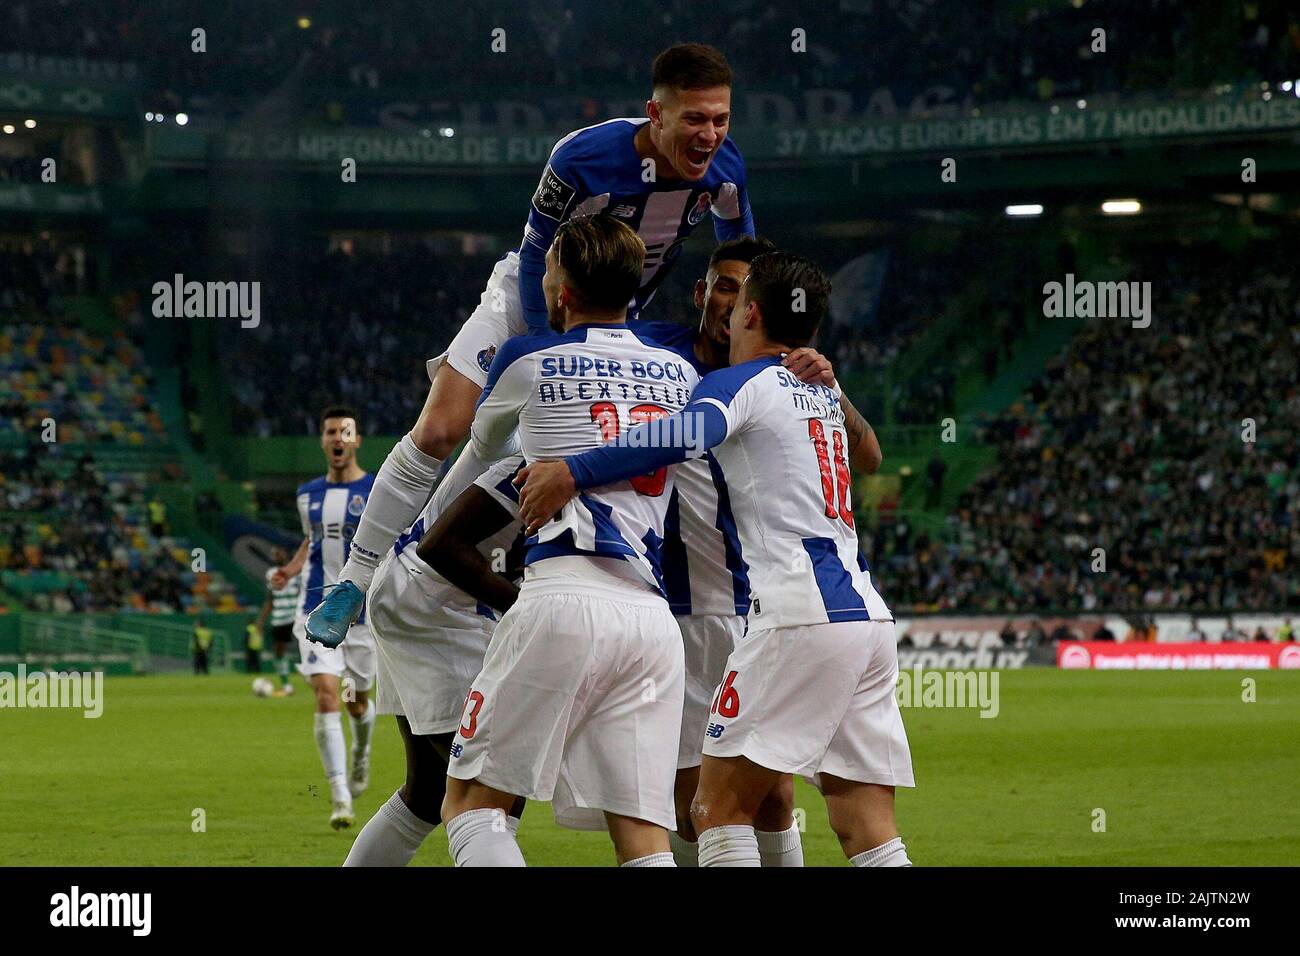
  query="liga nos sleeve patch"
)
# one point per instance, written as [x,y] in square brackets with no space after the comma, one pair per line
[553,195]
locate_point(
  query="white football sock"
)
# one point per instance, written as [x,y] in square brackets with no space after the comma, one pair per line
[401,490]
[361,728]
[654,859]
[734,845]
[476,838]
[333,750]
[391,837]
[782,848]
[892,853]
[685,853]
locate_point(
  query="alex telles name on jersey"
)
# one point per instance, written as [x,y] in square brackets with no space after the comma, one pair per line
[609,380]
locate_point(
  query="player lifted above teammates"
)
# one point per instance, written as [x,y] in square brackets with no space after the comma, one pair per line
[810,689]
[662,175]
[330,508]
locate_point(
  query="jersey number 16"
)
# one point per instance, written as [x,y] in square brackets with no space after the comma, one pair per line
[835,484]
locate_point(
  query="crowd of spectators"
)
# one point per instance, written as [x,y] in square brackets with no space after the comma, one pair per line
[1146,469]
[920,281]
[353,327]
[75,492]
[982,52]
[73,386]
[74,537]
[79,537]
[356,326]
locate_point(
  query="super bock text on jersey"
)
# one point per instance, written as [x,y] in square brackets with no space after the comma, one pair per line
[571,392]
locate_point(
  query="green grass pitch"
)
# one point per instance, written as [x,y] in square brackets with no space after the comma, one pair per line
[1185,770]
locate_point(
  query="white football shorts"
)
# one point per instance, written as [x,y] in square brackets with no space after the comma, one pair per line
[708,641]
[818,698]
[580,703]
[354,658]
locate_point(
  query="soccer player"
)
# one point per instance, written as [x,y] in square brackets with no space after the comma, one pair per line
[810,689]
[706,585]
[663,175]
[330,508]
[280,608]
[580,697]
[430,638]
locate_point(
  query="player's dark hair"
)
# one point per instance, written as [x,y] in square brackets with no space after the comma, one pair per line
[690,66]
[602,260]
[793,294]
[741,249]
[336,411]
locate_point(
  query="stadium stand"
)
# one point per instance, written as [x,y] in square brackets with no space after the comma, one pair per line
[1132,441]
[82,450]
[383,314]
[978,53]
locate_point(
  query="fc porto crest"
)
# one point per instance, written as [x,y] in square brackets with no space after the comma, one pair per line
[702,207]
[356,505]
[486,356]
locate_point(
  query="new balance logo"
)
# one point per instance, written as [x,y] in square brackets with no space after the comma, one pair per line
[623,212]
[457,750]
[714,731]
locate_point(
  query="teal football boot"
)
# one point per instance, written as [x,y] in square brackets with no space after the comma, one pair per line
[329,623]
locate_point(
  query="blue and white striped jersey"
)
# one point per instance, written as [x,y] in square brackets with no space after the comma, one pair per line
[597,169]
[783,450]
[702,568]
[704,573]
[571,392]
[330,513]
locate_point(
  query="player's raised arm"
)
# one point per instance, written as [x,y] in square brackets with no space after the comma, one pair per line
[556,195]
[450,547]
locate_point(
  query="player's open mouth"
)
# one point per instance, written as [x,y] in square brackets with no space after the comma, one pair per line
[698,158]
